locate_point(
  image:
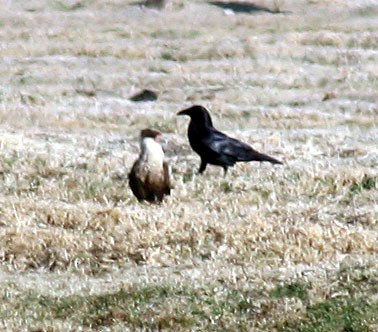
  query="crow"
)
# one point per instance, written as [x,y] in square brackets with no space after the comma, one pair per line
[215,147]
[149,178]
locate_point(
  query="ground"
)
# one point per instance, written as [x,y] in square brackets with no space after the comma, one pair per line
[266,248]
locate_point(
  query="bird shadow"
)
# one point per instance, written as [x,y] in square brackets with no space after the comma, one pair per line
[243,7]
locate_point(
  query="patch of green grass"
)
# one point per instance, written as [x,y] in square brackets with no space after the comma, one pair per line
[358,279]
[168,56]
[349,315]
[181,307]
[227,187]
[68,6]
[152,307]
[187,177]
[351,310]
[295,289]
[366,183]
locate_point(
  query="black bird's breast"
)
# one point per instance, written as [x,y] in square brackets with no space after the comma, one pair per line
[204,143]
[197,134]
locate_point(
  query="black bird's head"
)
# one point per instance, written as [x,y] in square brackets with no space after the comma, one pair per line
[198,114]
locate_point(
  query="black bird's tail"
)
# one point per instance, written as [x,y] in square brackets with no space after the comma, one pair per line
[257,156]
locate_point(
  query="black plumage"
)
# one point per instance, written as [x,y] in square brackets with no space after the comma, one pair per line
[215,147]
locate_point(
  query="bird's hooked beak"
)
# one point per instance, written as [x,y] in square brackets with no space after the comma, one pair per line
[183,112]
[159,138]
[162,140]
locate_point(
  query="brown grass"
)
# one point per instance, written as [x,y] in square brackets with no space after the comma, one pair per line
[69,223]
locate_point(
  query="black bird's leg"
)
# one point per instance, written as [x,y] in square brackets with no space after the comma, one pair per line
[202,166]
[225,171]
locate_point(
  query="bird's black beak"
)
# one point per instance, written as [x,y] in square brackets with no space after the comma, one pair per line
[183,112]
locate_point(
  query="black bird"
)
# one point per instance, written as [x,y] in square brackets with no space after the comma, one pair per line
[213,146]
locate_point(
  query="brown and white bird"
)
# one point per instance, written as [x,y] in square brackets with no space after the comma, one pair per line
[149,178]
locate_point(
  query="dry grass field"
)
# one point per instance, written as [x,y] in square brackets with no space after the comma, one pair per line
[266,248]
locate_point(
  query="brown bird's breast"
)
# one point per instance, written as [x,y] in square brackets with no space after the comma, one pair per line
[149,183]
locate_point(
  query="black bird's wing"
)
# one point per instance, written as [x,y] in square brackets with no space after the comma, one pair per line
[227,150]
[224,149]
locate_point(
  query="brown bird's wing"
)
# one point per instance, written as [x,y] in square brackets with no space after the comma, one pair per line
[167,179]
[136,182]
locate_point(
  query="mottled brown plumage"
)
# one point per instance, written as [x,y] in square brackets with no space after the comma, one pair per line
[149,178]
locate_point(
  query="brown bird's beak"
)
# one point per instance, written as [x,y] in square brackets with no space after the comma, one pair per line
[159,138]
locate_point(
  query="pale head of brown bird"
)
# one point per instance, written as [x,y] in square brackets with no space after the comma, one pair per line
[151,149]
[156,135]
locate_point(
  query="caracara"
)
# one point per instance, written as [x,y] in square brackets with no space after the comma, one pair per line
[149,176]
[215,147]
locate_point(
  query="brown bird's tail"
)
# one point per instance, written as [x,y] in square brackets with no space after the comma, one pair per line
[257,156]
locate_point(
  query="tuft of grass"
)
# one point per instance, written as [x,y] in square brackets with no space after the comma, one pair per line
[366,183]
[168,56]
[67,6]
[296,289]
[226,187]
